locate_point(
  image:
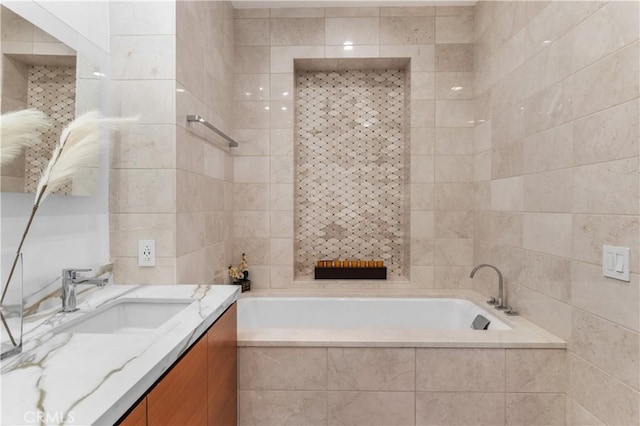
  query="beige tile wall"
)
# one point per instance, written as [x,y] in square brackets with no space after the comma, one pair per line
[556,169]
[401,386]
[143,175]
[204,74]
[438,42]
[171,59]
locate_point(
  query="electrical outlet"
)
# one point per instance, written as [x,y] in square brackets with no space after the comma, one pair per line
[146,252]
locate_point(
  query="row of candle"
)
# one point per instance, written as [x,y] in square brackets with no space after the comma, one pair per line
[350,264]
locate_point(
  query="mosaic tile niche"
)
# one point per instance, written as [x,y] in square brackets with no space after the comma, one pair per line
[352,169]
[52,90]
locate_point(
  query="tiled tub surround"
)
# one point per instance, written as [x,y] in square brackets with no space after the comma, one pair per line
[350,171]
[556,167]
[437,43]
[92,378]
[402,377]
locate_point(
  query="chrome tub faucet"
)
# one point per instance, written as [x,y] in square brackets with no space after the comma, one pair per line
[499,303]
[70,279]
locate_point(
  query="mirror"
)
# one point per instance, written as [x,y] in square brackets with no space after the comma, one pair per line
[39,71]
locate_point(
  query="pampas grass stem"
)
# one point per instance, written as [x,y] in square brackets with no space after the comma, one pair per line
[78,146]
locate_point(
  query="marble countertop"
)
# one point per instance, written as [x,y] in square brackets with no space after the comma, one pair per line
[74,378]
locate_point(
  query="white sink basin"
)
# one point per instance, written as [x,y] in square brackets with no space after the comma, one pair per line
[126,316]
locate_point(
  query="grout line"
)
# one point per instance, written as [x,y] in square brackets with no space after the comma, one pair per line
[629,387]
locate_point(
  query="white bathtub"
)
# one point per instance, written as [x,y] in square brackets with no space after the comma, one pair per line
[437,318]
[361,313]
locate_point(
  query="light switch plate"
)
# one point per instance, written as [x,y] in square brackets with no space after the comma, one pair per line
[615,262]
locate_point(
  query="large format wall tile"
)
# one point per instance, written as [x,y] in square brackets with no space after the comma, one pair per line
[141,18]
[422,55]
[407,30]
[253,59]
[370,408]
[608,298]
[454,57]
[608,135]
[578,415]
[454,29]
[355,30]
[550,275]
[457,370]
[143,191]
[606,83]
[127,229]
[551,149]
[127,271]
[545,311]
[132,100]
[296,31]
[536,370]
[251,32]
[604,396]
[383,369]
[282,368]
[616,25]
[535,409]
[281,408]
[549,191]
[611,187]
[143,57]
[608,346]
[591,232]
[460,408]
[548,233]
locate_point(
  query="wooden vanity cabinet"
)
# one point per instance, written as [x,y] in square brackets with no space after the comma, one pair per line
[222,342]
[137,416]
[201,388]
[180,398]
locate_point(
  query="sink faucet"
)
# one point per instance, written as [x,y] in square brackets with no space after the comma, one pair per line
[499,304]
[70,279]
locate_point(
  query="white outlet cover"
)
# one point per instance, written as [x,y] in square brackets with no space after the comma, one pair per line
[615,262]
[146,252]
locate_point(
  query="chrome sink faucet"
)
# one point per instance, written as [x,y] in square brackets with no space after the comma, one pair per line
[499,303]
[70,279]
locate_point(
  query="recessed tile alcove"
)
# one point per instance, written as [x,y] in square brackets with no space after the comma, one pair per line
[351,163]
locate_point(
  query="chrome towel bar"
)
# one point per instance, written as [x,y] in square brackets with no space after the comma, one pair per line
[199,119]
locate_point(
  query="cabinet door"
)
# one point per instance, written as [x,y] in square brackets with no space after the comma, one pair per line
[180,398]
[137,416]
[223,365]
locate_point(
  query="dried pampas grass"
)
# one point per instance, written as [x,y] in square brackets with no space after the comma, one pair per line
[19,130]
[78,148]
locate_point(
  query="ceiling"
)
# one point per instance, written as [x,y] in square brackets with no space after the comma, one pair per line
[251,4]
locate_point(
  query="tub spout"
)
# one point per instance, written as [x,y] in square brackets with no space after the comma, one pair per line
[499,303]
